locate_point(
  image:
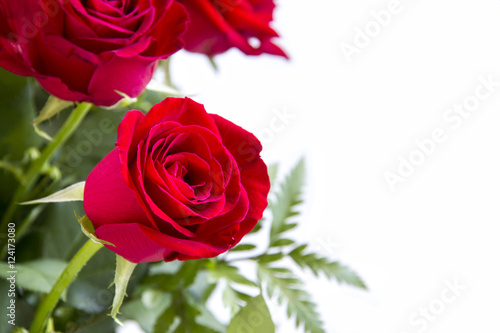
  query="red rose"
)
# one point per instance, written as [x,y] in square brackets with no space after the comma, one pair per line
[180,184]
[85,50]
[217,25]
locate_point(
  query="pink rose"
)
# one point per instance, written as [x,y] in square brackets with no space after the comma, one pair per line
[180,184]
[87,50]
[217,25]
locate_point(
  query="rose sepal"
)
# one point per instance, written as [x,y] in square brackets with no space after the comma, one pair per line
[122,103]
[123,272]
[71,193]
[51,108]
[89,231]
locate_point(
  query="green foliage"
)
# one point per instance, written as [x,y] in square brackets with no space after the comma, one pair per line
[57,229]
[147,309]
[284,205]
[332,269]
[186,286]
[52,107]
[231,274]
[181,278]
[38,275]
[280,281]
[243,247]
[17,110]
[182,316]
[282,284]
[95,138]
[24,311]
[272,171]
[165,321]
[254,317]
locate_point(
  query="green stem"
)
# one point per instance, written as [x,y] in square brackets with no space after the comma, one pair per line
[168,77]
[36,167]
[47,305]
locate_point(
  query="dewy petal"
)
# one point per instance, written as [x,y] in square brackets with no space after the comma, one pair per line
[107,199]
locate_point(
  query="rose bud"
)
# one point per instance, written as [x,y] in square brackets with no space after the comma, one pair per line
[180,184]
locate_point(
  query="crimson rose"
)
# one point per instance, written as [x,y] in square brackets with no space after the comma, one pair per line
[87,50]
[217,25]
[180,184]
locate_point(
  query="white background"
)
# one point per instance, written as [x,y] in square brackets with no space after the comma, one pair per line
[354,121]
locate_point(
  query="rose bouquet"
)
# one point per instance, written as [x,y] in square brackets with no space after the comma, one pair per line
[112,189]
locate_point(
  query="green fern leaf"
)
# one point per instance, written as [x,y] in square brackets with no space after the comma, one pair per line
[287,197]
[282,284]
[332,269]
[231,274]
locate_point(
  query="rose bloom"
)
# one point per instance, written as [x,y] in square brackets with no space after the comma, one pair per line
[88,50]
[180,184]
[217,25]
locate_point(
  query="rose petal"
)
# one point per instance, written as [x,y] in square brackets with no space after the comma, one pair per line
[160,218]
[79,17]
[107,199]
[135,74]
[216,26]
[125,47]
[105,7]
[208,32]
[131,243]
[249,22]
[256,182]
[126,131]
[56,56]
[173,22]
[55,86]
[184,111]
[138,243]
[210,228]
[245,148]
